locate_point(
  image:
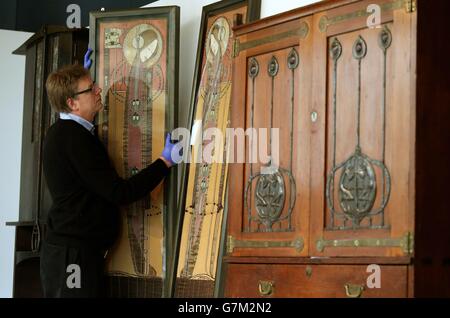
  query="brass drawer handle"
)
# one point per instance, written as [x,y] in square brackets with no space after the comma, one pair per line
[353,291]
[308,271]
[265,287]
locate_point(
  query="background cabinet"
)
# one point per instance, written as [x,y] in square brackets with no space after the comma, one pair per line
[356,184]
[46,51]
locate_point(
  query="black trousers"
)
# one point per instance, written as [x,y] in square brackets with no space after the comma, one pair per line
[71,272]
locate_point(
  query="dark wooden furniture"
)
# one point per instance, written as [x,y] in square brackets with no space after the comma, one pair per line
[47,50]
[357,206]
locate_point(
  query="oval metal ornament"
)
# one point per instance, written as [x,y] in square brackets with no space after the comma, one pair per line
[335,49]
[269,198]
[272,67]
[359,48]
[293,59]
[357,188]
[253,68]
[385,39]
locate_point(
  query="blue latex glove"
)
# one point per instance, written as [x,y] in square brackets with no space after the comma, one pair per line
[172,148]
[87,60]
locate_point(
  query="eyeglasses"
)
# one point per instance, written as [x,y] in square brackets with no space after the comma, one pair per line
[90,89]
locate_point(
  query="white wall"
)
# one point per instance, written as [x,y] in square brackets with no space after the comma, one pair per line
[12,70]
[272,7]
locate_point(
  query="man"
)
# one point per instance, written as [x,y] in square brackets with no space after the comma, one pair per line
[86,190]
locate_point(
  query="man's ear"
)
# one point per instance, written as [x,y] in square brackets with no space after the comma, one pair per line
[71,103]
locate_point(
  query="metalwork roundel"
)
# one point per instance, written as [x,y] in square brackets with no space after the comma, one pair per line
[272,67]
[385,38]
[357,187]
[359,48]
[269,197]
[253,68]
[335,49]
[293,59]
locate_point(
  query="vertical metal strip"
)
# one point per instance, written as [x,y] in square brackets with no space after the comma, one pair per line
[252,119]
[383,132]
[335,51]
[253,71]
[334,107]
[358,111]
[291,137]
[292,62]
[291,133]
[334,131]
[384,41]
[273,71]
[359,52]
[271,116]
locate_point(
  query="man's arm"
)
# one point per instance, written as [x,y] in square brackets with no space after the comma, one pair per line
[95,171]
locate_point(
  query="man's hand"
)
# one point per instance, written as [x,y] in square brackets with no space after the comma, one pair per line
[170,148]
[87,59]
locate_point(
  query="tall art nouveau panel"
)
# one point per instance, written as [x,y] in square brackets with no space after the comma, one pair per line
[203,193]
[135,65]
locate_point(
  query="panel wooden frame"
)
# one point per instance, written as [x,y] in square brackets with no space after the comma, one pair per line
[209,12]
[168,17]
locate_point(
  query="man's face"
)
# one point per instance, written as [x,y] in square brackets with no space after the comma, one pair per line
[88,101]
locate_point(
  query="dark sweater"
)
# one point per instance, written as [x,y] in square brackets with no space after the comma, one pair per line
[85,188]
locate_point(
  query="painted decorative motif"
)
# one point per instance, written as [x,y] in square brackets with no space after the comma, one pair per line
[203,208]
[132,68]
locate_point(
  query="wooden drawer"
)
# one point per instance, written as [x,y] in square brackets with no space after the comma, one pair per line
[281,280]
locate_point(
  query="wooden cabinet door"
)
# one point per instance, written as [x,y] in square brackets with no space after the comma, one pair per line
[362,142]
[268,209]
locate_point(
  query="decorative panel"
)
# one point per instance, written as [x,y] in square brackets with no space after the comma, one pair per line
[136,67]
[270,191]
[204,192]
[270,195]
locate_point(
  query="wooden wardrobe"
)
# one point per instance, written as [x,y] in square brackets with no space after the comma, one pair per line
[355,202]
